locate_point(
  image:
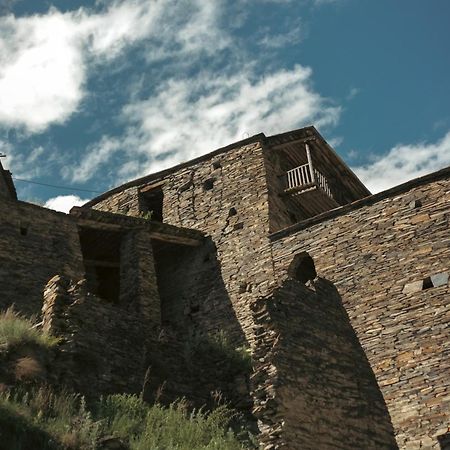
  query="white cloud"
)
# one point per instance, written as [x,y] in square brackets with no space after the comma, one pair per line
[405,162]
[64,203]
[44,59]
[189,117]
[292,36]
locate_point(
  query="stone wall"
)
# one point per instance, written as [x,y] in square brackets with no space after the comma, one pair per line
[103,347]
[389,257]
[225,196]
[194,299]
[35,244]
[313,386]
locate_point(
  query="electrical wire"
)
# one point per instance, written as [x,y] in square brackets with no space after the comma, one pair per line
[68,188]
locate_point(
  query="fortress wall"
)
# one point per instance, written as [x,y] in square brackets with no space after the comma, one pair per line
[123,202]
[316,389]
[102,348]
[194,299]
[234,212]
[35,244]
[280,207]
[226,197]
[378,256]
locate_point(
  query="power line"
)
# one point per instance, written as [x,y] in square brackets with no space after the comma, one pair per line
[68,188]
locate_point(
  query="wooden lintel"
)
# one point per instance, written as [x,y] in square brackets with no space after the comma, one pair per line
[173,239]
[295,141]
[100,225]
[96,262]
[149,187]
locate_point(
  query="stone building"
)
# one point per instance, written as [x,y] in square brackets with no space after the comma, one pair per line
[341,295]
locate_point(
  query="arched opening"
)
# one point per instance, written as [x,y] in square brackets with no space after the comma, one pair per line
[302,268]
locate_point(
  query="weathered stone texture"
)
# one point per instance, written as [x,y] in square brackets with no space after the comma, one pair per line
[313,385]
[139,289]
[35,244]
[388,255]
[193,295]
[225,197]
[103,347]
[374,254]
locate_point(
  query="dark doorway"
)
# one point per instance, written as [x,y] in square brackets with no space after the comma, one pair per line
[101,258]
[151,203]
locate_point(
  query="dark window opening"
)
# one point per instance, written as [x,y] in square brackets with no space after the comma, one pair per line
[101,258]
[151,204]
[216,165]
[208,184]
[415,204]
[427,283]
[23,231]
[302,268]
[444,441]
[232,212]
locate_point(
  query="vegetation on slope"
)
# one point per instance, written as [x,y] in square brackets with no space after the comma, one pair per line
[16,330]
[62,421]
[34,416]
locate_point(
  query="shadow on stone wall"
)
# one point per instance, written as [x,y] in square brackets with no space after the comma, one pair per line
[313,384]
[198,349]
[195,355]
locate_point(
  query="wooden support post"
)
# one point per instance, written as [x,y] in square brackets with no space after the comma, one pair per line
[311,168]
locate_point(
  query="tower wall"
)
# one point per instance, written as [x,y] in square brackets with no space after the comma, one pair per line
[389,257]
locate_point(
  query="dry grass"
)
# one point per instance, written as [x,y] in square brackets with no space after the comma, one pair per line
[16,330]
[28,369]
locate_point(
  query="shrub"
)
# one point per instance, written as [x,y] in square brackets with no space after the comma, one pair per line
[62,417]
[62,421]
[16,330]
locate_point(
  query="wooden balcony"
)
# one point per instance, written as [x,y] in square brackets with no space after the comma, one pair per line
[309,189]
[306,178]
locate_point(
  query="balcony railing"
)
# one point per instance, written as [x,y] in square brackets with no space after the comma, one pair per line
[305,177]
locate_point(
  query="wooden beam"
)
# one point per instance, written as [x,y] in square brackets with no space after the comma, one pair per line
[150,187]
[295,141]
[174,239]
[310,164]
[100,225]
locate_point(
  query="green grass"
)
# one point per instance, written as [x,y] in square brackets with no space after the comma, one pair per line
[38,418]
[157,427]
[16,330]
[62,421]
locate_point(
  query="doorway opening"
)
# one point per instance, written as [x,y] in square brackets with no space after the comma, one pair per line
[101,258]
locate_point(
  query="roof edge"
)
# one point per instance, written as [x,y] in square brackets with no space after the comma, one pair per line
[164,172]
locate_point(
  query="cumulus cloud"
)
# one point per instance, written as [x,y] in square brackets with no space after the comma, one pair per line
[64,203]
[189,117]
[405,162]
[44,59]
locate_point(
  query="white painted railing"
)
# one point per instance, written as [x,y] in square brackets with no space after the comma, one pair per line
[323,183]
[302,176]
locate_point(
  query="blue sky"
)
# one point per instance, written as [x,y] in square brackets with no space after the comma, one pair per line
[95,93]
